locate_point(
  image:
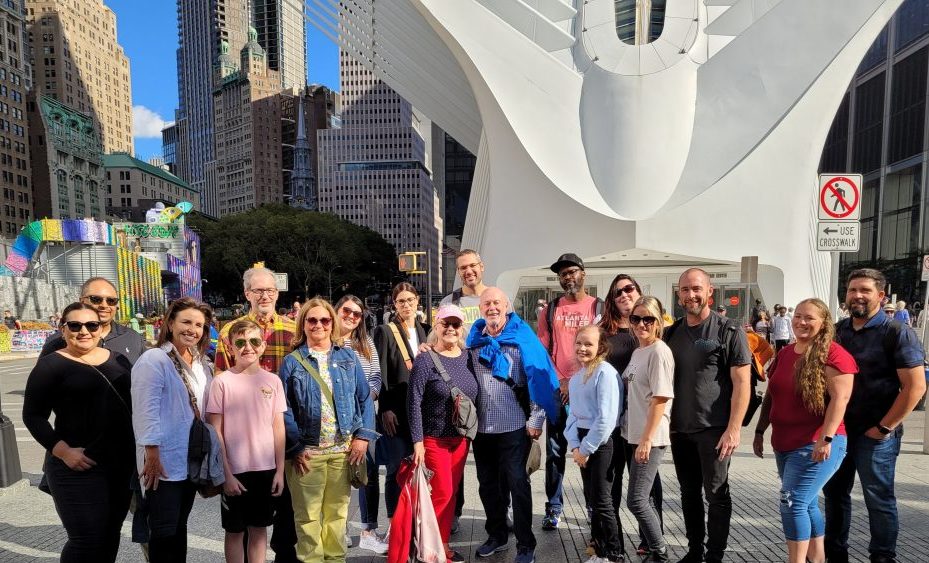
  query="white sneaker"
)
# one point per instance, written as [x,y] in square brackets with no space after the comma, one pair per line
[594,559]
[348,540]
[369,541]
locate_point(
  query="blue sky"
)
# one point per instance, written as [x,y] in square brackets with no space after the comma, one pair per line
[148,33]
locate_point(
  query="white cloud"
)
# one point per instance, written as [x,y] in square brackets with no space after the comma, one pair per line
[147,124]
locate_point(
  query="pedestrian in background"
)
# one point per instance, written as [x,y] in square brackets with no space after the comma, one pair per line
[809,387]
[170,386]
[89,450]
[595,400]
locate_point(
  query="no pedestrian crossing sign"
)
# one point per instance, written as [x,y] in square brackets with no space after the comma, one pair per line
[839,197]
[839,205]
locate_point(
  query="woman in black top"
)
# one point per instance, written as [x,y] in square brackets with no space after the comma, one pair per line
[90,449]
[396,363]
[624,292]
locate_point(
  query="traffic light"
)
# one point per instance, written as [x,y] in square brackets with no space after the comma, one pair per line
[407,262]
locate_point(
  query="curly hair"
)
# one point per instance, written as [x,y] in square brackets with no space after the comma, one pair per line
[810,369]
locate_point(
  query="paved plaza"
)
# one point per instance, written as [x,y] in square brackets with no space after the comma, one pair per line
[30,529]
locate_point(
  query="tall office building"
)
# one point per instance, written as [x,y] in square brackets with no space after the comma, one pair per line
[373,170]
[880,132]
[203,25]
[247,119]
[78,62]
[282,33]
[15,174]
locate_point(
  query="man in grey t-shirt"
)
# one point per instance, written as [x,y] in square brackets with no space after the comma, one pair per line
[712,382]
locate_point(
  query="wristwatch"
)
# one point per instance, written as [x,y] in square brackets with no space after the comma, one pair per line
[883,429]
[827,439]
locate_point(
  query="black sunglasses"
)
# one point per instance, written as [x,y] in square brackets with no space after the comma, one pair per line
[455,324]
[649,320]
[627,289]
[76,326]
[97,300]
[347,312]
[254,341]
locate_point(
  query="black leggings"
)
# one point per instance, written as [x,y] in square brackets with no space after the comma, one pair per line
[168,509]
[92,505]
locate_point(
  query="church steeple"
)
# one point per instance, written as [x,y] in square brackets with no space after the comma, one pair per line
[302,182]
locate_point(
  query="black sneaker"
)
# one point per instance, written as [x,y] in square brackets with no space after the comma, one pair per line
[692,557]
[455,557]
[490,547]
[524,555]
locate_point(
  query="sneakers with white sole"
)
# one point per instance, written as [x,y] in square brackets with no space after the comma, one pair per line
[371,542]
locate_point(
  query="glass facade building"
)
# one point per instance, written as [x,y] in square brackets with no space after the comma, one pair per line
[880,131]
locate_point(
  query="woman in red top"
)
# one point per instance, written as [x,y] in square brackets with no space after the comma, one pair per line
[809,386]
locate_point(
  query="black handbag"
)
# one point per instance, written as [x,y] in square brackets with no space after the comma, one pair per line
[200,440]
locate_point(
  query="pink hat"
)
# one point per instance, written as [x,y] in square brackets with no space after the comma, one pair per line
[449,311]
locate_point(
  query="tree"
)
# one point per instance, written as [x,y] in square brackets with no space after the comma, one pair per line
[319,251]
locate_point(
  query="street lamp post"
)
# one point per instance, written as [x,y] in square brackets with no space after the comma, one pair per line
[332,269]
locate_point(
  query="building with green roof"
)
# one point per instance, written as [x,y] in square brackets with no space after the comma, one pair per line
[130,181]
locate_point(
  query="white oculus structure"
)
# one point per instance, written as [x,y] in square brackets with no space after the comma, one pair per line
[702,143]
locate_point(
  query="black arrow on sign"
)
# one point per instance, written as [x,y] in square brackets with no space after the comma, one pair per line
[827,230]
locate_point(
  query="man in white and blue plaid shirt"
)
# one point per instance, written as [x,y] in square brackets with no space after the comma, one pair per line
[506,426]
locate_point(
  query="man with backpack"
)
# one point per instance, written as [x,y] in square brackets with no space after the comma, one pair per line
[712,388]
[558,326]
[889,384]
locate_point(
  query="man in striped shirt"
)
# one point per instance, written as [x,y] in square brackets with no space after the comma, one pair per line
[277,330]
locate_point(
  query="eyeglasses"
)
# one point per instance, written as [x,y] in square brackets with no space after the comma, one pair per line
[455,324]
[569,273]
[98,299]
[76,326]
[313,321]
[407,301]
[259,292]
[254,341]
[627,289]
[350,313]
[648,321]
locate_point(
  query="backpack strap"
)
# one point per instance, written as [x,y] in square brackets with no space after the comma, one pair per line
[669,332]
[597,310]
[726,330]
[323,388]
[456,297]
[401,344]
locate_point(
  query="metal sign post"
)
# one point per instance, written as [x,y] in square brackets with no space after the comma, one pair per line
[923,330]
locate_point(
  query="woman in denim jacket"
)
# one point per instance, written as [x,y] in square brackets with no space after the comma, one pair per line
[328,428]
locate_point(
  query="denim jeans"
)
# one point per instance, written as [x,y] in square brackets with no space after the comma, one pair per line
[556,447]
[641,481]
[875,461]
[501,460]
[699,471]
[597,479]
[801,481]
[369,496]
[622,461]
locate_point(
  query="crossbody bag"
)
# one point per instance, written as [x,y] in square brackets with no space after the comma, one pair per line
[464,414]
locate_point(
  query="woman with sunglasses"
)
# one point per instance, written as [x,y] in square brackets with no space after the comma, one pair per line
[398,344]
[355,336]
[89,450]
[436,441]
[170,385]
[329,423]
[647,426]
[624,293]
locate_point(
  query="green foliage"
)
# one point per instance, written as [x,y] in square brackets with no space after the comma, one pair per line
[311,247]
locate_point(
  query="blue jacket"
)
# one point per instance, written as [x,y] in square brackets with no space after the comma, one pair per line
[354,408]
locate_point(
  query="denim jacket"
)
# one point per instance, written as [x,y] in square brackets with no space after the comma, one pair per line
[354,408]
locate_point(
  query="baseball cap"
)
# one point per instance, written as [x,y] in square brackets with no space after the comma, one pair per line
[450,311]
[565,260]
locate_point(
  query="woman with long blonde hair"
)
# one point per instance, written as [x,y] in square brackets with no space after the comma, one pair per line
[647,427]
[809,386]
[595,399]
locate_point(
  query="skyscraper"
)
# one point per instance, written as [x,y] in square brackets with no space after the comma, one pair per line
[247,119]
[15,176]
[373,170]
[79,63]
[202,26]
[282,33]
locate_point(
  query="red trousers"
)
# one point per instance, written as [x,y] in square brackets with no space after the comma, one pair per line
[446,457]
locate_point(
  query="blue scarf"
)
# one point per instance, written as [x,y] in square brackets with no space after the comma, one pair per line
[543,380]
